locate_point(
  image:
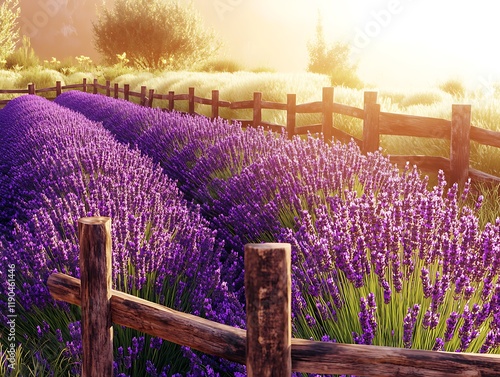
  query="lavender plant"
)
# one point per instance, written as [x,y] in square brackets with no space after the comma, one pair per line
[377,257]
[188,148]
[60,166]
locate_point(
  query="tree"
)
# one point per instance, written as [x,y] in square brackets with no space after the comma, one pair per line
[153,34]
[333,60]
[9,28]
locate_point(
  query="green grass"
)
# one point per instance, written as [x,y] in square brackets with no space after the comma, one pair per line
[240,85]
[235,84]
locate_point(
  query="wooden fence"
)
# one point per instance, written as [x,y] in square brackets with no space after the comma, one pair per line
[376,123]
[266,347]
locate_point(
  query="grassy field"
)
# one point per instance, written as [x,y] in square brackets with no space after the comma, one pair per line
[237,86]
[340,210]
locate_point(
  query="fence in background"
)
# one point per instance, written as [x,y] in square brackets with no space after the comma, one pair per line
[266,347]
[376,123]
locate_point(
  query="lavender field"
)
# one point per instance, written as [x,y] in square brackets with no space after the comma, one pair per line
[377,257]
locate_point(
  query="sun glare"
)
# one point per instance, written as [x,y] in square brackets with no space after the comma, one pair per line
[395,42]
[418,42]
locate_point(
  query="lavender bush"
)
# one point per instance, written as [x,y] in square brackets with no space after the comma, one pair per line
[377,257]
[59,166]
[188,148]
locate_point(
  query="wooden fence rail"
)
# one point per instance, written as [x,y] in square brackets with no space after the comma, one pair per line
[376,123]
[265,347]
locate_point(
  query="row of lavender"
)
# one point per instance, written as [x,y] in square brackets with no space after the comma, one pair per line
[58,166]
[377,257]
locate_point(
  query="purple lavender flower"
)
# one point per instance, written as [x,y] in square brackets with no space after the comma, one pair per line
[60,166]
[350,218]
[367,320]
[409,325]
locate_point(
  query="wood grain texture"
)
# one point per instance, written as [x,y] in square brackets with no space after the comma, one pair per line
[479,175]
[248,104]
[307,356]
[157,320]
[351,111]
[191,100]
[95,271]
[460,143]
[257,110]
[409,125]
[310,107]
[215,104]
[327,114]
[291,114]
[268,105]
[268,300]
[371,128]
[485,137]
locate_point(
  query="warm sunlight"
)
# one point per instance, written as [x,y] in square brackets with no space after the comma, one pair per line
[396,42]
[401,43]
[200,187]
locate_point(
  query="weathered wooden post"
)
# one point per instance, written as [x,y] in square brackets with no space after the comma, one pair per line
[257,109]
[371,128]
[268,300]
[31,88]
[108,88]
[460,143]
[95,275]
[58,88]
[215,104]
[143,95]
[126,92]
[151,97]
[171,100]
[84,85]
[191,100]
[327,121]
[94,91]
[116,91]
[291,114]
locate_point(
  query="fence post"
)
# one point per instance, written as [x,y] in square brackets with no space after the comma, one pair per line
[460,143]
[95,87]
[171,100]
[31,88]
[126,90]
[115,91]
[268,301]
[215,104]
[327,121]
[151,97]
[371,127]
[84,85]
[58,88]
[191,100]
[257,109]
[143,95]
[108,88]
[95,275]
[291,114]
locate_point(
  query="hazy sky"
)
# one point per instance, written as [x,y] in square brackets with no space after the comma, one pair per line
[59,28]
[396,42]
[399,43]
